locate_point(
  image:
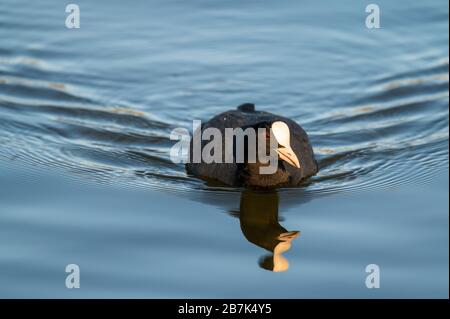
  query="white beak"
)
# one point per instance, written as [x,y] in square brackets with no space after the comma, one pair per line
[288,155]
[283,136]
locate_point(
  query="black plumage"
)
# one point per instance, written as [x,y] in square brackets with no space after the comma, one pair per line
[247,174]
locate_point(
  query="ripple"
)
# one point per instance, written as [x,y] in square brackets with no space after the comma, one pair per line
[394,135]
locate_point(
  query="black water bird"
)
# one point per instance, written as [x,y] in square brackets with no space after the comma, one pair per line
[295,155]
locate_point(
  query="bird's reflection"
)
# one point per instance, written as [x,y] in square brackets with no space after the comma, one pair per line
[258,215]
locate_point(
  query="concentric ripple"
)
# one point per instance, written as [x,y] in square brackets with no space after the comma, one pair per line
[397,134]
[98,104]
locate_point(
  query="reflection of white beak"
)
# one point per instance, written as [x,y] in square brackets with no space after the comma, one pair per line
[283,136]
[280,263]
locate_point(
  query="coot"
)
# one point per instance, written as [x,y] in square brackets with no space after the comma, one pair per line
[296,160]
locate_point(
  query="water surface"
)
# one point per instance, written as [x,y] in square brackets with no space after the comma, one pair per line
[86,178]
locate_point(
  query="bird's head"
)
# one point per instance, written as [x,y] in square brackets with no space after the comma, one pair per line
[282,134]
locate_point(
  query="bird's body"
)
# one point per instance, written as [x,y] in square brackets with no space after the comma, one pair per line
[248,174]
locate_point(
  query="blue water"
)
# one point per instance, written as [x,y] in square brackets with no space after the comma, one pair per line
[86,177]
